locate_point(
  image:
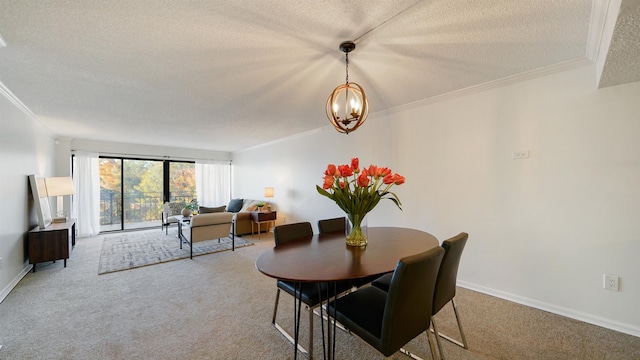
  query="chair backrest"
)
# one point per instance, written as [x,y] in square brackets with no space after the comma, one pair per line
[331,225]
[408,303]
[447,275]
[283,234]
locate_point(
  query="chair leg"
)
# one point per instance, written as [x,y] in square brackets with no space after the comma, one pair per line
[435,331]
[286,334]
[432,346]
[462,344]
[432,349]
[455,310]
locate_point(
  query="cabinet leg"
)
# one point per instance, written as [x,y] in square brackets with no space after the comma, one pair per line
[34,267]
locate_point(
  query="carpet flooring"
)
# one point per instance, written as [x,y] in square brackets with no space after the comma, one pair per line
[136,249]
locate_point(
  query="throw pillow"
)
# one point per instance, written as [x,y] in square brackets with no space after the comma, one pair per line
[175,208]
[207,210]
[235,205]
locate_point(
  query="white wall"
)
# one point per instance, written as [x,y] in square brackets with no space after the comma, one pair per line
[25,148]
[543,230]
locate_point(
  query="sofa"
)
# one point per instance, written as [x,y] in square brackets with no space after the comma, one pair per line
[240,208]
[208,226]
[243,217]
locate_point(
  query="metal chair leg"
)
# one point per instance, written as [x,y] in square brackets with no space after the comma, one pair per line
[455,310]
[462,344]
[435,331]
[432,349]
[287,335]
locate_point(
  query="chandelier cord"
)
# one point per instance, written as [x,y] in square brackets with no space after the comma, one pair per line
[386,21]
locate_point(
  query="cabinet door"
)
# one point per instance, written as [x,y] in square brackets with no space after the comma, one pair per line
[48,246]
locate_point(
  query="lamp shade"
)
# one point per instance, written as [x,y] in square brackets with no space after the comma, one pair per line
[59,186]
[268,192]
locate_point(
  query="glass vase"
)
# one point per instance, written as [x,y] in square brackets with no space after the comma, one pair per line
[356,229]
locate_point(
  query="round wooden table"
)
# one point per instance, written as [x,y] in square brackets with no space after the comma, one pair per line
[327,258]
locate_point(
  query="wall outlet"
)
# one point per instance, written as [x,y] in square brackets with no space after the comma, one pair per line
[611,282]
[284,219]
[523,154]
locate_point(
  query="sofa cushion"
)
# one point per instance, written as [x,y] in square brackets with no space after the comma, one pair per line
[235,205]
[207,210]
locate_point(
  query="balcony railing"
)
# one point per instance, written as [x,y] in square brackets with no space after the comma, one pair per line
[138,207]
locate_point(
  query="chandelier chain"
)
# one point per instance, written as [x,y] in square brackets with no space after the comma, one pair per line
[346,56]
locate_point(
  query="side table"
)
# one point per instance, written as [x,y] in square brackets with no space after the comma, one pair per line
[52,242]
[259,217]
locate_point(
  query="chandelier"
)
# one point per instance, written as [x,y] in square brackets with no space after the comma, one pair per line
[347,107]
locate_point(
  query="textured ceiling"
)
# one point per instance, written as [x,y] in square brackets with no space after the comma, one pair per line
[226,75]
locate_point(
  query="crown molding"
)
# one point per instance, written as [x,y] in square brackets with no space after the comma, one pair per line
[509,80]
[15,101]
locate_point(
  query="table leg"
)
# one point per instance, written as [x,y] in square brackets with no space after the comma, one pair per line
[297,304]
[329,348]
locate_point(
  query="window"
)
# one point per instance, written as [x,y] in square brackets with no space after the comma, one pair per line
[132,191]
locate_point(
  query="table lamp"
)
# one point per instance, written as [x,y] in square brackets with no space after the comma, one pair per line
[59,186]
[268,193]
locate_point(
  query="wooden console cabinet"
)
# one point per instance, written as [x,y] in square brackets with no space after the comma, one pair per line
[51,243]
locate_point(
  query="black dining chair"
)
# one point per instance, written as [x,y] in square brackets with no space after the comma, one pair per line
[445,290]
[332,225]
[387,320]
[309,292]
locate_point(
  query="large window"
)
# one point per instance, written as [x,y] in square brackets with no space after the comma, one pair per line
[132,191]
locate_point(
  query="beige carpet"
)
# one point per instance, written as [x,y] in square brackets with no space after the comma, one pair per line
[219,307]
[129,250]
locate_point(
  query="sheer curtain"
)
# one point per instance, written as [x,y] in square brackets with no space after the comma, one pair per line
[86,201]
[213,182]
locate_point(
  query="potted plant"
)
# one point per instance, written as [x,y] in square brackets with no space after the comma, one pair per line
[190,208]
[260,205]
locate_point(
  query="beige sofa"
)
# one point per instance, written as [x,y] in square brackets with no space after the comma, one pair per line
[243,218]
[207,227]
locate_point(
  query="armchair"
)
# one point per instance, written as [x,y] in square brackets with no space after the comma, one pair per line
[207,227]
[169,212]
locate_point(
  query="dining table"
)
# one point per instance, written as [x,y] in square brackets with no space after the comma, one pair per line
[326,258]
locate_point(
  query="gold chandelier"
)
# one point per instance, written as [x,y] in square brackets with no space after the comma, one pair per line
[347,107]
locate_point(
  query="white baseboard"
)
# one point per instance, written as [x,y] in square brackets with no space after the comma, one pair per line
[559,310]
[7,289]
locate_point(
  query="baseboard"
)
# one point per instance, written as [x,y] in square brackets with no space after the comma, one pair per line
[559,310]
[5,292]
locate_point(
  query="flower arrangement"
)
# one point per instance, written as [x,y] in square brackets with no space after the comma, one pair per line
[357,191]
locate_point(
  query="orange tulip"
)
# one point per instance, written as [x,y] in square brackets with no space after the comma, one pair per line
[328,182]
[332,170]
[398,179]
[345,170]
[382,172]
[363,179]
[355,165]
[388,179]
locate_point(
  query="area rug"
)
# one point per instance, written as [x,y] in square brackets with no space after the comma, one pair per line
[135,249]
